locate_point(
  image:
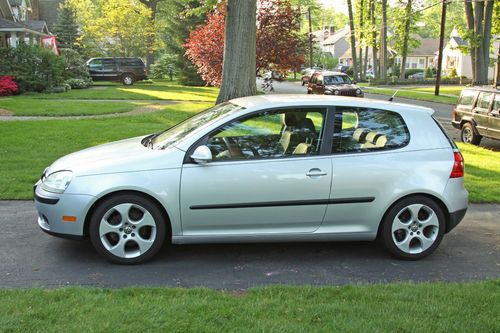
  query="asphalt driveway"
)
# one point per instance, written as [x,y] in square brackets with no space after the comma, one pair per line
[29,257]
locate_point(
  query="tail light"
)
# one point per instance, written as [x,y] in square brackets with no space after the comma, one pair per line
[454,114]
[458,165]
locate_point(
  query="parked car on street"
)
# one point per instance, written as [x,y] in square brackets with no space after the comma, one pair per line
[125,70]
[342,68]
[477,114]
[307,73]
[264,168]
[333,83]
[417,76]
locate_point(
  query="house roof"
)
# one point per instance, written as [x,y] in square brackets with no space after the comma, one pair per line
[38,27]
[428,47]
[458,41]
[342,33]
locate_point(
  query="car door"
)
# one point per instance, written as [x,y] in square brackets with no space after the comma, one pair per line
[481,112]
[267,176]
[95,69]
[320,85]
[109,69]
[494,119]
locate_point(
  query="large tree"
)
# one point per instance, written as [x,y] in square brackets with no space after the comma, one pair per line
[279,45]
[66,28]
[479,16]
[238,68]
[353,40]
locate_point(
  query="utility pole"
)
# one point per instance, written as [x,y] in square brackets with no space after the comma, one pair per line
[310,38]
[441,46]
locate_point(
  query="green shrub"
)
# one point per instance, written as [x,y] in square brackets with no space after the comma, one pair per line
[164,67]
[35,68]
[453,72]
[75,68]
[78,83]
[411,71]
[428,73]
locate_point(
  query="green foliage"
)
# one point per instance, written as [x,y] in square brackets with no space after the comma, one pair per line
[76,73]
[453,72]
[35,68]
[164,67]
[429,73]
[66,28]
[179,17]
[431,18]
[411,71]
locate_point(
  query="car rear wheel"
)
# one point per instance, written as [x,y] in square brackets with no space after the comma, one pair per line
[413,228]
[469,134]
[128,79]
[127,229]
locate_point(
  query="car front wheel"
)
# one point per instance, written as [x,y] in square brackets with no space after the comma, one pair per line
[413,228]
[469,135]
[127,229]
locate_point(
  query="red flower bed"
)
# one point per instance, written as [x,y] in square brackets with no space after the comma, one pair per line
[8,86]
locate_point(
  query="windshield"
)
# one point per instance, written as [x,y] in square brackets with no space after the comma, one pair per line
[336,79]
[171,136]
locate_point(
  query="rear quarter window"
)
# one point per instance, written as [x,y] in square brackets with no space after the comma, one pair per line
[467,97]
[365,129]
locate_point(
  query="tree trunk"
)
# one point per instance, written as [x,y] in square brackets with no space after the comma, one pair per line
[353,41]
[383,42]
[405,39]
[469,15]
[360,41]
[239,66]
[374,40]
[150,56]
[488,17]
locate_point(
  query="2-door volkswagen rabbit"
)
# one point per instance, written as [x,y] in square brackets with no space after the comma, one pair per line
[264,168]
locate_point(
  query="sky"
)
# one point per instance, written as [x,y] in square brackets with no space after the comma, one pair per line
[339,5]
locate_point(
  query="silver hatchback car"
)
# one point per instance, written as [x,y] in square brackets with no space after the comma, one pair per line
[264,168]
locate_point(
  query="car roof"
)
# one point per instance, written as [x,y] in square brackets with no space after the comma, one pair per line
[485,88]
[332,73]
[290,100]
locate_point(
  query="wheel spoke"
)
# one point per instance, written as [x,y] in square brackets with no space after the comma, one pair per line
[425,242]
[398,225]
[123,210]
[414,209]
[118,249]
[146,220]
[432,220]
[404,245]
[106,228]
[144,244]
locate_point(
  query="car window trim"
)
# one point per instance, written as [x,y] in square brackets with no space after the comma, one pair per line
[204,139]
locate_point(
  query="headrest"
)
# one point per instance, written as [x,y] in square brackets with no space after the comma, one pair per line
[381,141]
[289,119]
[360,134]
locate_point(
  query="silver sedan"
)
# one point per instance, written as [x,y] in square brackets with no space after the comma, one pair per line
[264,168]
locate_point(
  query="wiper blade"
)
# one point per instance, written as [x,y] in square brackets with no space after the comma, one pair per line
[148,141]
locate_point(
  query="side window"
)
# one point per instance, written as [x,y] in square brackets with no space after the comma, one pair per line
[467,97]
[313,79]
[484,100]
[273,134]
[496,103]
[362,130]
[96,65]
[108,64]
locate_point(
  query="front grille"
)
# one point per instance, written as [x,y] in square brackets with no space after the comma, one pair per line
[348,93]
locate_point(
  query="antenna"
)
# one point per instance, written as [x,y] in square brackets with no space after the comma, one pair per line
[393,95]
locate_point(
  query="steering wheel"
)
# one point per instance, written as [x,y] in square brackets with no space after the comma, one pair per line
[233,148]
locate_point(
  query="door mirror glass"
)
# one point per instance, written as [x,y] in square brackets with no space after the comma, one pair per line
[202,154]
[319,82]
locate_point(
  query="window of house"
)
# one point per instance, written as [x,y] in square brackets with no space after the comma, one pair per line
[364,129]
[484,100]
[496,103]
[276,134]
[421,62]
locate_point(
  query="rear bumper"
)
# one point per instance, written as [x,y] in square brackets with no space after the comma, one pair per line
[455,218]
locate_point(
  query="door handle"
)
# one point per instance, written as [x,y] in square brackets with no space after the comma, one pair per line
[315,173]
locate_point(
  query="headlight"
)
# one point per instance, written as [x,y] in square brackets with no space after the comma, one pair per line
[57,182]
[336,92]
[358,91]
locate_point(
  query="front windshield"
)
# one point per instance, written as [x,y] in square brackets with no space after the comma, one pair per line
[336,79]
[174,134]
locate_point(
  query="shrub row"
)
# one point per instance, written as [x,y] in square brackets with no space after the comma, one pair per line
[429,81]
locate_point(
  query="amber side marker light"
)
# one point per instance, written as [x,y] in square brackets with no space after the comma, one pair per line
[67,218]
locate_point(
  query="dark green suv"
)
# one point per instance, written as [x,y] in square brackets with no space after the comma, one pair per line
[477,114]
[125,70]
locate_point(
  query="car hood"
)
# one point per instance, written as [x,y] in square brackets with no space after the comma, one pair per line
[119,156]
[342,86]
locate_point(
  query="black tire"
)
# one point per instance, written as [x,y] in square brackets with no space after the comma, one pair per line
[303,83]
[128,79]
[469,134]
[309,92]
[399,208]
[104,207]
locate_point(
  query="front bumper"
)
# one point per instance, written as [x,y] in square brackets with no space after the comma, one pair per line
[456,124]
[51,208]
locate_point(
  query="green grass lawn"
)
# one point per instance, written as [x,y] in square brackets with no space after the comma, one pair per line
[27,147]
[482,173]
[450,90]
[423,307]
[29,106]
[413,94]
[161,89]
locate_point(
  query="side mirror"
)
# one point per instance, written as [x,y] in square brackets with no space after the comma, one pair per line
[354,82]
[201,154]
[319,83]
